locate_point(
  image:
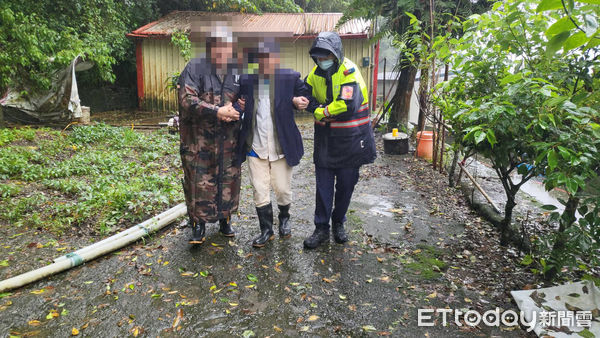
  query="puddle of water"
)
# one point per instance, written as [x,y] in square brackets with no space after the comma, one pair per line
[378,205]
[536,190]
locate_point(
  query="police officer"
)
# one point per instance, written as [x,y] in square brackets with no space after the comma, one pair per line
[343,139]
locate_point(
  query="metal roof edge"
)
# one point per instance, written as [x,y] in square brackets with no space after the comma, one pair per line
[139,33]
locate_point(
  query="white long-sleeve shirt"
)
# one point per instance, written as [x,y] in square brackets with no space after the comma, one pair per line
[264,140]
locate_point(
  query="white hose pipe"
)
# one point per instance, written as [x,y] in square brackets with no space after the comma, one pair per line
[75,259]
[142,226]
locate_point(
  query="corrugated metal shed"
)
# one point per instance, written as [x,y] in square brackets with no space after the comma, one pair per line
[158,59]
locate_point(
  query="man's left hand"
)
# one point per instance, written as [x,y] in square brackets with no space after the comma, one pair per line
[300,102]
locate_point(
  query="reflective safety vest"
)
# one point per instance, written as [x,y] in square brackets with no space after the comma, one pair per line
[343,133]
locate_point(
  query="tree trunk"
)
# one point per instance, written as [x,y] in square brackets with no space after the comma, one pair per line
[400,103]
[453,168]
[508,211]
[566,221]
[423,97]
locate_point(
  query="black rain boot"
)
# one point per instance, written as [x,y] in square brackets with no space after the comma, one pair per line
[198,230]
[339,234]
[285,228]
[265,219]
[225,227]
[319,236]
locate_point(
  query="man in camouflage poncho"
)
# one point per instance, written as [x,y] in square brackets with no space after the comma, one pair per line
[209,127]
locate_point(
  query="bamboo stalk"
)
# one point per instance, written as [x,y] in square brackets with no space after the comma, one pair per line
[487,197]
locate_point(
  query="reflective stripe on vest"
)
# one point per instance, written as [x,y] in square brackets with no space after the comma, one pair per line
[351,123]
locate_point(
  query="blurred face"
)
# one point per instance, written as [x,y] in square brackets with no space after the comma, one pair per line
[221,53]
[268,63]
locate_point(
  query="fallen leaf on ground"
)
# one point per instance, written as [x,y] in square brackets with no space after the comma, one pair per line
[369,328]
[178,318]
[252,278]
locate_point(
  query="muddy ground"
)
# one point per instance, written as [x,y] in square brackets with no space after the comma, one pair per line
[414,244]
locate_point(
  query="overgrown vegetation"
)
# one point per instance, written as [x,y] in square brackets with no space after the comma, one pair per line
[95,177]
[525,97]
[39,38]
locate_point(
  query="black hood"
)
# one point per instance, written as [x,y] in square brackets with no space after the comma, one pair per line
[331,42]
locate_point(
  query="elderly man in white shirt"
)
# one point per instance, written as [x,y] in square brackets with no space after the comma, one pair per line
[272,141]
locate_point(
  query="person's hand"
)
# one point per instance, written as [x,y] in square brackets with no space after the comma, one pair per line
[328,119]
[300,102]
[242,103]
[227,113]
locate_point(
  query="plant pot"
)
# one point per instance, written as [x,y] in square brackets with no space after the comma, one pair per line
[425,144]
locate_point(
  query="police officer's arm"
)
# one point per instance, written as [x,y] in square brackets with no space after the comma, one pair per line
[349,92]
[190,91]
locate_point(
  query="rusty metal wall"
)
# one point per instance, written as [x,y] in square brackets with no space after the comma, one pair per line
[161,59]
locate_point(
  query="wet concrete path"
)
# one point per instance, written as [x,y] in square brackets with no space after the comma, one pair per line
[414,244]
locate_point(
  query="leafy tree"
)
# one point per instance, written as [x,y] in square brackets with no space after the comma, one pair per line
[254,6]
[572,148]
[524,98]
[323,6]
[393,21]
[41,37]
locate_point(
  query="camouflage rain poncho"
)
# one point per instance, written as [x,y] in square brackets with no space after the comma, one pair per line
[211,172]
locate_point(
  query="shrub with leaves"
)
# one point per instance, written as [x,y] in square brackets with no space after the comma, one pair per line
[524,98]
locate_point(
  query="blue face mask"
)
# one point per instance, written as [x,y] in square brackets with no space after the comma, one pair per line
[325,64]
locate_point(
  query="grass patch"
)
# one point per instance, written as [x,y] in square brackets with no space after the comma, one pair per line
[425,262]
[353,219]
[97,176]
